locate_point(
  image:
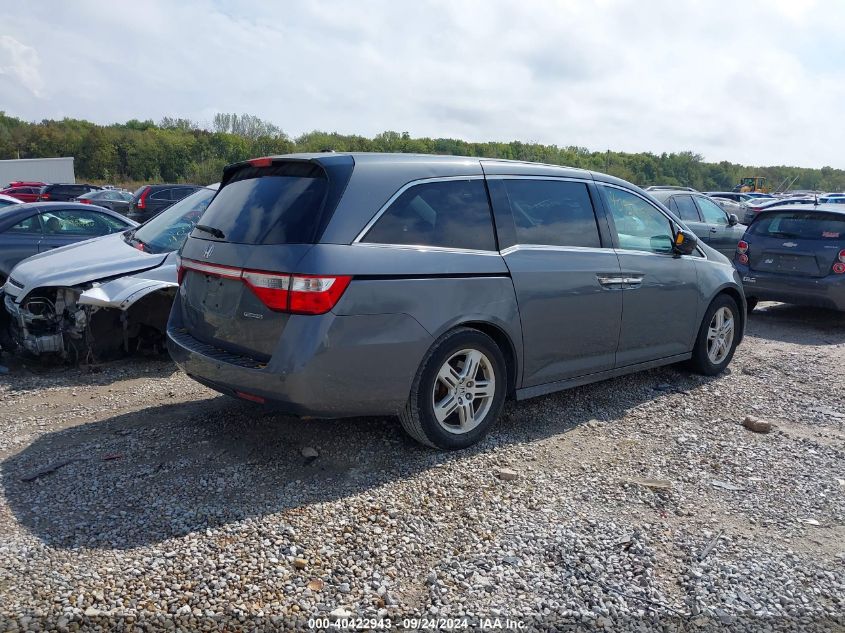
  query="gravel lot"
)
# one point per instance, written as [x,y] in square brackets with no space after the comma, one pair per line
[637,501]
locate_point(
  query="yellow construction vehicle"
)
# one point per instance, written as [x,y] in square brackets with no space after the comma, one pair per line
[752,183]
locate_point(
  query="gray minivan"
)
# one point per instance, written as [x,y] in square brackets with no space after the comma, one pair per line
[433,287]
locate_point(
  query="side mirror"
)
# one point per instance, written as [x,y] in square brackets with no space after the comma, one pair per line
[685,242]
[732,219]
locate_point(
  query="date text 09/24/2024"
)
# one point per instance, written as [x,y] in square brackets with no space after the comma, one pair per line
[417,623]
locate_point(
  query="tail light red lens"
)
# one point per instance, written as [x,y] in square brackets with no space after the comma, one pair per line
[316,295]
[839,268]
[271,288]
[742,247]
[742,258]
[44,196]
[265,161]
[281,292]
[841,256]
[142,201]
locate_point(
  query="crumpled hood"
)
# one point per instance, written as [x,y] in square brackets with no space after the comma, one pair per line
[83,262]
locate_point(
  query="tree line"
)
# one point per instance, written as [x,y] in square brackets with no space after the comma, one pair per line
[182,150]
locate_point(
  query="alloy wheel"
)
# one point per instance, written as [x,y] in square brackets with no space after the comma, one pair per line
[463,391]
[720,335]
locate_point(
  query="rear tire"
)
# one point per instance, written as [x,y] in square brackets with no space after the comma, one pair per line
[717,338]
[458,392]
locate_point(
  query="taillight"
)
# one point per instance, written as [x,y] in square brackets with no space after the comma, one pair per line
[742,247]
[142,201]
[44,196]
[265,161]
[281,292]
[271,288]
[742,258]
[84,200]
[841,256]
[839,268]
[316,295]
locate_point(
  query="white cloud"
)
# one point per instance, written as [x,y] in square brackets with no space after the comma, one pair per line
[20,64]
[756,81]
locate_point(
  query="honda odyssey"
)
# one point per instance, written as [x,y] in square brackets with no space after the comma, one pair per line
[433,287]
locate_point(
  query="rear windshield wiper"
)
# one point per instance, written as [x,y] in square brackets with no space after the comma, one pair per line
[211,230]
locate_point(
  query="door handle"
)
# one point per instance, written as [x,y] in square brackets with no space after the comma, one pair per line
[610,281]
[620,282]
[713,229]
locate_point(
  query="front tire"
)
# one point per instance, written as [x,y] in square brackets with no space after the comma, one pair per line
[458,392]
[717,338]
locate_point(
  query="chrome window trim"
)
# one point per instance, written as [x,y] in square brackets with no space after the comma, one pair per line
[553,247]
[423,247]
[586,181]
[403,189]
[670,255]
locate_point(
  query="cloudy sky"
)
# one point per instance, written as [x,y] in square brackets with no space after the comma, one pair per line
[754,81]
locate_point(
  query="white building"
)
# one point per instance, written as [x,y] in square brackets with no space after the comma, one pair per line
[37,169]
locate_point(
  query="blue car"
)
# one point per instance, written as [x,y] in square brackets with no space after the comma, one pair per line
[37,227]
[795,254]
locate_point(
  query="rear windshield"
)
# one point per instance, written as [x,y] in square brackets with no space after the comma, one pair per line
[806,225]
[282,207]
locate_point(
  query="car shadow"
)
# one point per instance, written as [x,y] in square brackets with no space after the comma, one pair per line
[146,476]
[801,325]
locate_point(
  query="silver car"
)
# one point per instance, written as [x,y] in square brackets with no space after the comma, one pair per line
[434,287]
[103,297]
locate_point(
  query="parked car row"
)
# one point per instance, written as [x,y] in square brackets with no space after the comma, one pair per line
[428,287]
[146,202]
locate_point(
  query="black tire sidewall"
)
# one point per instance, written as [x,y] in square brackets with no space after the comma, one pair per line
[431,427]
[701,361]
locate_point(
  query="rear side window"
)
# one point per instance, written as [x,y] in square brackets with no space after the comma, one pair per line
[553,212]
[799,225]
[283,207]
[29,225]
[75,222]
[686,208]
[451,214]
[161,194]
[181,192]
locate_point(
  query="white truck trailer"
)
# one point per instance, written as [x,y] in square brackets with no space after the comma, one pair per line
[37,169]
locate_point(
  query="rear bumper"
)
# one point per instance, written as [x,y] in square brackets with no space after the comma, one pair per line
[325,366]
[825,292]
